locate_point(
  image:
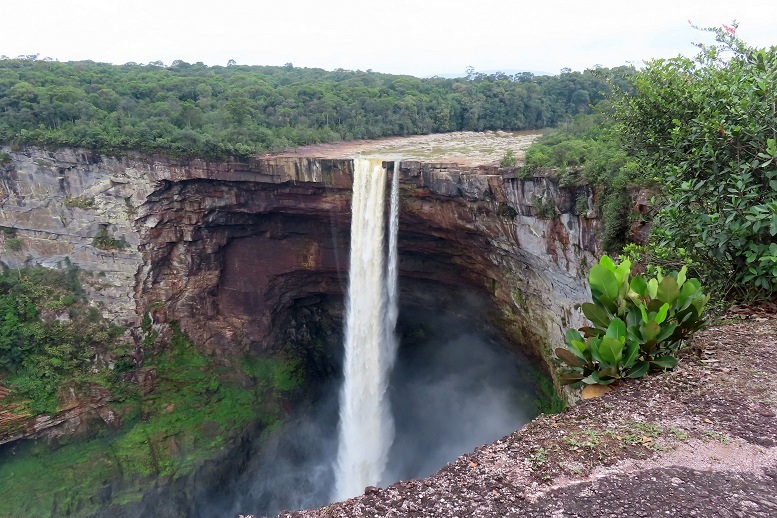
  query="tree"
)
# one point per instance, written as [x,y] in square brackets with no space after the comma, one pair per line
[706,129]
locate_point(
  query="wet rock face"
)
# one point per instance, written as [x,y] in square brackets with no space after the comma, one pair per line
[230,250]
[230,259]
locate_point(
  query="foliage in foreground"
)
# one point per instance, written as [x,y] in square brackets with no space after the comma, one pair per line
[638,324]
[706,129]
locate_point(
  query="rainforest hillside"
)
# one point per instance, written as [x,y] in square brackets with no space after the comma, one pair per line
[187,110]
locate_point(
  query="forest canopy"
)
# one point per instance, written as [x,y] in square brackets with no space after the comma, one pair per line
[194,110]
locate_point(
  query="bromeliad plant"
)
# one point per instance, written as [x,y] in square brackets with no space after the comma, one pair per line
[637,325]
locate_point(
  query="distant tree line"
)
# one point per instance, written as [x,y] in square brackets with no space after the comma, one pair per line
[193,110]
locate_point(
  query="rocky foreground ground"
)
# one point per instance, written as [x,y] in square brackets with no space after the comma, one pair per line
[698,441]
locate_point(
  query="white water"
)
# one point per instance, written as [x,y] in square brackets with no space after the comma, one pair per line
[392,271]
[366,428]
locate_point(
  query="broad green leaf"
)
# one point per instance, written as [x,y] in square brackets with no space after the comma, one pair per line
[639,286]
[644,313]
[633,317]
[607,262]
[579,349]
[595,354]
[661,315]
[664,362]
[667,330]
[622,272]
[681,276]
[616,329]
[573,334]
[632,353]
[668,291]
[635,335]
[650,330]
[609,372]
[655,305]
[611,350]
[652,288]
[590,380]
[600,379]
[596,315]
[639,369]
[604,282]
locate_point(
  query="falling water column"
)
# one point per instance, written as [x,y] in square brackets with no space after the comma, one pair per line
[392,274]
[366,426]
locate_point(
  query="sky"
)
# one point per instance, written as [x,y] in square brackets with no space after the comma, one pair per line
[416,37]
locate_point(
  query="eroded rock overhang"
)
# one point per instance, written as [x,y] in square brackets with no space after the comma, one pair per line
[230,249]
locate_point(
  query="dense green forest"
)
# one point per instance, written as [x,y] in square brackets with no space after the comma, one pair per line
[193,110]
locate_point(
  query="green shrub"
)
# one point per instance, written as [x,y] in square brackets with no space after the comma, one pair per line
[40,355]
[545,208]
[506,211]
[13,244]
[105,241]
[81,202]
[581,205]
[508,159]
[706,129]
[638,324]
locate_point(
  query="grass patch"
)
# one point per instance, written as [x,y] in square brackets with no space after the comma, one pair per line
[79,202]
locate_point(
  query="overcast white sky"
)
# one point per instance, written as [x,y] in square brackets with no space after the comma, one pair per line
[418,37]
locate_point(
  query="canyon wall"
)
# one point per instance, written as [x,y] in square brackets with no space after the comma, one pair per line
[236,252]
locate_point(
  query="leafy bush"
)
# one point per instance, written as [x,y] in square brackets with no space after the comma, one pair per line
[638,324]
[39,355]
[81,202]
[508,159]
[106,241]
[706,128]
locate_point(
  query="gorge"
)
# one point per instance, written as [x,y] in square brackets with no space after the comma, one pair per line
[249,258]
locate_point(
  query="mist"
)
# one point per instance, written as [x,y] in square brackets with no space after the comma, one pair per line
[450,396]
[455,386]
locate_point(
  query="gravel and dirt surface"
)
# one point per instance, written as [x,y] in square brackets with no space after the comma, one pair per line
[466,148]
[698,441]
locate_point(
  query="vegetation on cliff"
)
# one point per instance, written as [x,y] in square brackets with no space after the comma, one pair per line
[588,150]
[186,110]
[701,134]
[52,341]
[172,410]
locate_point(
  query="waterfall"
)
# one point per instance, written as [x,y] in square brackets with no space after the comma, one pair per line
[392,272]
[366,428]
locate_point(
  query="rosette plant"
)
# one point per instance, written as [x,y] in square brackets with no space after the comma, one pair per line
[637,324]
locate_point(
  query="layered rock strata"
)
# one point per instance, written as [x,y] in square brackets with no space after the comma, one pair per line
[231,250]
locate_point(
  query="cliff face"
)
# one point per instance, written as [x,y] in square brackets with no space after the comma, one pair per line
[233,251]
